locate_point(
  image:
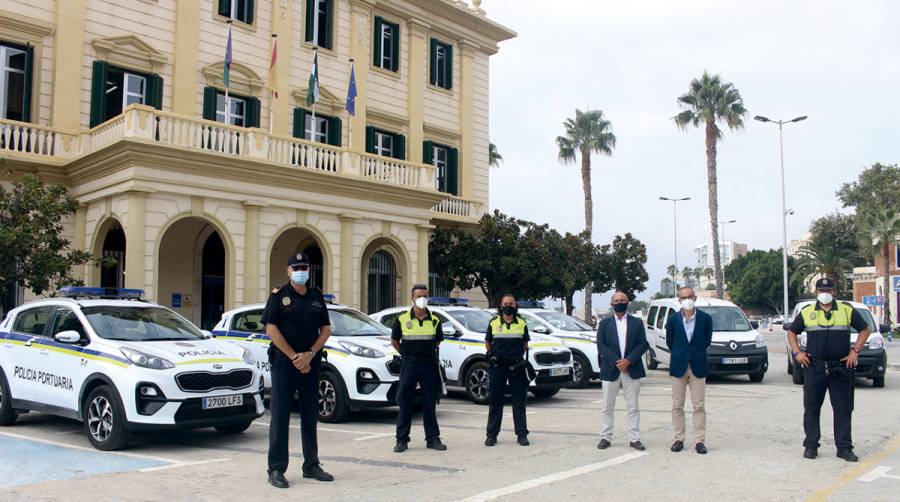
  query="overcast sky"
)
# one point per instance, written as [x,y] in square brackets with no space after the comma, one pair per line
[835,61]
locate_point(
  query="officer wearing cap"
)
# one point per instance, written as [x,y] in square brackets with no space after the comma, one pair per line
[296,320]
[416,335]
[828,365]
[506,341]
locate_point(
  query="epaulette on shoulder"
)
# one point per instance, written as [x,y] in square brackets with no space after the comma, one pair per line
[275,290]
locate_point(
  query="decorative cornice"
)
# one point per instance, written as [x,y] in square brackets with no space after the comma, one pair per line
[241,79]
[12,21]
[129,50]
[386,119]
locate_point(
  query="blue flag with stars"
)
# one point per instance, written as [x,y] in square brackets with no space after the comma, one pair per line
[351,93]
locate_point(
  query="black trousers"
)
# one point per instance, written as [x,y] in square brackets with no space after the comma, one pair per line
[839,385]
[500,375]
[286,380]
[410,374]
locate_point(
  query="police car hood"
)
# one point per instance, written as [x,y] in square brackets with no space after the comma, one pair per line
[192,351]
[543,341]
[737,336]
[381,343]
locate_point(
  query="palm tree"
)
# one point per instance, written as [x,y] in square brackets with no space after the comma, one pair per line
[826,258]
[687,273]
[708,101]
[671,270]
[494,157]
[880,230]
[588,133]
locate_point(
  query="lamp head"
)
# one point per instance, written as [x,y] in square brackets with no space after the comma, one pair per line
[761,118]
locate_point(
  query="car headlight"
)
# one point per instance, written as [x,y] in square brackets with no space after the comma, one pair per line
[801,339]
[875,342]
[145,360]
[359,350]
[760,340]
[248,357]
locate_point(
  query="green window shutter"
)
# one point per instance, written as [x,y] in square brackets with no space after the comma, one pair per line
[252,112]
[400,146]
[249,12]
[453,171]
[427,152]
[334,131]
[154,91]
[29,83]
[370,139]
[209,103]
[225,8]
[329,21]
[98,93]
[395,47]
[310,19]
[376,44]
[299,123]
[449,62]
[432,67]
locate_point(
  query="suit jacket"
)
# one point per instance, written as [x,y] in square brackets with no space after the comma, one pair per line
[684,353]
[610,352]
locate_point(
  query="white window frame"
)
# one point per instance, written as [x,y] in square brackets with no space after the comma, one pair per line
[7,52]
[440,60]
[320,137]
[441,166]
[321,10]
[387,50]
[142,96]
[226,116]
[234,9]
[384,144]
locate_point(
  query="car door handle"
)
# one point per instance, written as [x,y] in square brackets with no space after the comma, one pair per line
[30,341]
[250,338]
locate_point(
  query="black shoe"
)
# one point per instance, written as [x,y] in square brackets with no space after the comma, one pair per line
[603,444]
[401,446]
[810,452]
[847,454]
[490,441]
[701,448]
[637,445]
[436,444]
[318,474]
[523,441]
[276,479]
[677,446]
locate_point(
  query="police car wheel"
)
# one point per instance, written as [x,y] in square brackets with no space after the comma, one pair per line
[333,405]
[876,382]
[7,413]
[582,369]
[104,419]
[233,428]
[652,363]
[478,382]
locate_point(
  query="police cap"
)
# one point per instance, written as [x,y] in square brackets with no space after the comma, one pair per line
[825,283]
[298,259]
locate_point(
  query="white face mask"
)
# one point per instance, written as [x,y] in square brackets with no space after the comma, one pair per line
[687,304]
[825,298]
[421,302]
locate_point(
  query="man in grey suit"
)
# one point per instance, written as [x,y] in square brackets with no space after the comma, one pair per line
[621,343]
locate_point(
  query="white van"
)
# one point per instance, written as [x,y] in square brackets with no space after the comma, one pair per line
[737,348]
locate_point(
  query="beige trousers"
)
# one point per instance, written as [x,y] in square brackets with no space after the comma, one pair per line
[698,399]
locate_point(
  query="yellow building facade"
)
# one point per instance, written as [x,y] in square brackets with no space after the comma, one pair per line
[200,192]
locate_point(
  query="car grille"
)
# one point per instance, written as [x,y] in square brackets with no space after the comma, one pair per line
[192,409]
[202,381]
[552,357]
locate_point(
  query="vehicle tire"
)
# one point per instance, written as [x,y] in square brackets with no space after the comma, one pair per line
[790,369]
[797,375]
[333,400]
[544,393]
[756,377]
[582,369]
[104,419]
[478,382]
[878,381]
[7,413]
[233,428]
[652,363]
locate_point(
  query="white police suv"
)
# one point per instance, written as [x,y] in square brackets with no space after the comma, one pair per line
[577,336]
[463,351]
[358,370]
[122,366]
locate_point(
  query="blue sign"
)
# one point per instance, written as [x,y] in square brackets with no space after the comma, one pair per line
[896,283]
[873,301]
[176,300]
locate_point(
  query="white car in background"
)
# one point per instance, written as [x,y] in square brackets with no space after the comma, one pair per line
[358,369]
[577,336]
[463,351]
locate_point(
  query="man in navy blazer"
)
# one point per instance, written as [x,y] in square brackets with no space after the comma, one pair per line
[688,336]
[621,343]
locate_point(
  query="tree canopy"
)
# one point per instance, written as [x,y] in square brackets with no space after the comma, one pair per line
[877,187]
[755,280]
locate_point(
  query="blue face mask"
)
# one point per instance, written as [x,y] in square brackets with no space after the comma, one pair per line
[299,276]
[620,307]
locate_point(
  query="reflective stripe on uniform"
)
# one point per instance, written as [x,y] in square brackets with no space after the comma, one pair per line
[413,329]
[501,329]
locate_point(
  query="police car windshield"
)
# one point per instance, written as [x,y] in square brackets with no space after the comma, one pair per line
[563,322]
[352,323]
[139,324]
[726,318]
[473,320]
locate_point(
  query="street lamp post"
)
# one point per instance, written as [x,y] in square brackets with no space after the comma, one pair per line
[783,208]
[725,241]
[675,225]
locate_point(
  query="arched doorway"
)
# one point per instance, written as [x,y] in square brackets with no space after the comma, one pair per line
[212,289]
[114,248]
[381,283]
[298,240]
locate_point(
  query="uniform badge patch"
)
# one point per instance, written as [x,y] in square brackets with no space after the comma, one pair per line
[812,315]
[408,324]
[286,301]
[499,328]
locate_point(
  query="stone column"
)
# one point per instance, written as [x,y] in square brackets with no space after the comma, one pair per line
[79,240]
[466,119]
[67,64]
[422,253]
[345,294]
[136,238]
[418,55]
[251,250]
[184,64]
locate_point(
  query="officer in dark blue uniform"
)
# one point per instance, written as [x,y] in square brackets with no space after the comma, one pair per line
[416,335]
[296,320]
[506,341]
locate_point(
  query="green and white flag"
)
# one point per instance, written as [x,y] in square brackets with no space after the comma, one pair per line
[312,94]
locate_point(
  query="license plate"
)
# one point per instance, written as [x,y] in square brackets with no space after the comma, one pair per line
[734,360]
[222,401]
[559,371]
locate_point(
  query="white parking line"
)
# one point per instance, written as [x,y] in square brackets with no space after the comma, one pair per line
[480,412]
[880,471]
[550,478]
[331,429]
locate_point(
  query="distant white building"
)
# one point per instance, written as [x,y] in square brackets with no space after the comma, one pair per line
[728,251]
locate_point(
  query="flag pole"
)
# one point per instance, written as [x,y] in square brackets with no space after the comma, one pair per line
[349,118]
[228,69]
[312,124]
[271,86]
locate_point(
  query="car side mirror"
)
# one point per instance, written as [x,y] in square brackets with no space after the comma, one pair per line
[448,330]
[884,328]
[754,324]
[68,336]
[543,330]
[207,334]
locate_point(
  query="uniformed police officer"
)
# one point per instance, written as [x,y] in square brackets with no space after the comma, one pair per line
[416,334]
[296,320]
[827,365]
[506,341]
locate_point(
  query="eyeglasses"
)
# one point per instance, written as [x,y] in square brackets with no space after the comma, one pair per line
[684,297]
[296,268]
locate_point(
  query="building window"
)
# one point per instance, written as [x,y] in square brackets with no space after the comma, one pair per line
[326,130]
[319,15]
[239,10]
[15,78]
[241,111]
[385,143]
[441,73]
[386,45]
[233,114]
[446,162]
[112,89]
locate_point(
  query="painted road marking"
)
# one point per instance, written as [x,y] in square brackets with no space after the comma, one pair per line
[551,478]
[880,471]
[854,473]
